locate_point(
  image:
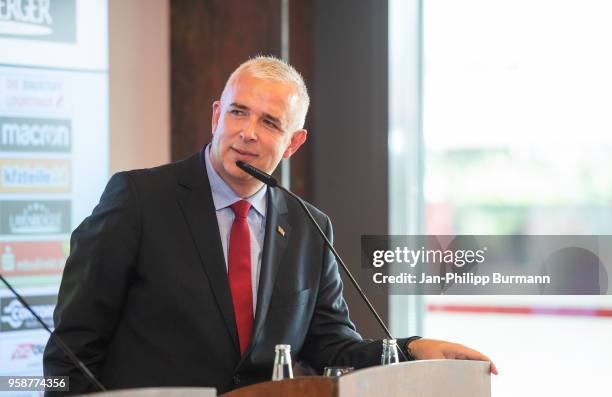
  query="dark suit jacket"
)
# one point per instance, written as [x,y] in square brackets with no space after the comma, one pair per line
[145,299]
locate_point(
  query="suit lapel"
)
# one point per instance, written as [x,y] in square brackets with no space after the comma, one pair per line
[274,248]
[195,200]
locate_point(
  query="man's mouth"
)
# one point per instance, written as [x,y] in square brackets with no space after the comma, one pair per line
[243,152]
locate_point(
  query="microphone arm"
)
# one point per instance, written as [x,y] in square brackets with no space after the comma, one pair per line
[339,259]
[60,343]
[272,182]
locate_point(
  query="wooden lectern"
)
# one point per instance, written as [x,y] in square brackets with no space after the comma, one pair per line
[423,378]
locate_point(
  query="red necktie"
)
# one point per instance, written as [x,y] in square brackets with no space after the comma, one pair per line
[239,272]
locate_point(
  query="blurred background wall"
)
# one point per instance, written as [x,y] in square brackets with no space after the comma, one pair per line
[139,83]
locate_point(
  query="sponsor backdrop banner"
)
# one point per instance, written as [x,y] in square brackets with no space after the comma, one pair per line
[67,34]
[21,353]
[15,317]
[53,155]
[33,258]
[34,176]
[22,339]
[487,265]
[23,134]
[53,20]
[41,217]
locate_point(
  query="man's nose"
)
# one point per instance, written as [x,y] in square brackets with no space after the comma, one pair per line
[249,132]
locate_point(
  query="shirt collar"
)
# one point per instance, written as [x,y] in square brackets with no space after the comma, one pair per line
[224,196]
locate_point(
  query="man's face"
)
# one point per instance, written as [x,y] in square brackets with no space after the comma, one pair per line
[253,123]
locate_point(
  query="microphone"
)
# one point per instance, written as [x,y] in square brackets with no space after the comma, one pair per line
[272,182]
[259,174]
[60,343]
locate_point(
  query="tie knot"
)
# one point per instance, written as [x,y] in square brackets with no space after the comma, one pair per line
[241,208]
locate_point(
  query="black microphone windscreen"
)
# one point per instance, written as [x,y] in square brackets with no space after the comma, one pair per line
[257,173]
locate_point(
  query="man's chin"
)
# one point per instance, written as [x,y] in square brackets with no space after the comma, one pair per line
[237,174]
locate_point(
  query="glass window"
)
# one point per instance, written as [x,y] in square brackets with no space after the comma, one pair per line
[515,138]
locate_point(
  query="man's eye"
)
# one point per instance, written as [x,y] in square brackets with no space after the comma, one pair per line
[271,124]
[237,112]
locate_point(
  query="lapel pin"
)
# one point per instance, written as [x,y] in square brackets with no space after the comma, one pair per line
[280,230]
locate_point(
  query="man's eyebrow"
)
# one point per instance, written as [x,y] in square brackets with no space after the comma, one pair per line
[237,105]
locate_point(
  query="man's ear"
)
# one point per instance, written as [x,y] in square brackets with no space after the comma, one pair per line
[297,139]
[216,109]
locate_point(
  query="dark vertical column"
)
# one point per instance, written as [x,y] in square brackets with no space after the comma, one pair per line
[349,131]
[300,56]
[340,47]
[208,40]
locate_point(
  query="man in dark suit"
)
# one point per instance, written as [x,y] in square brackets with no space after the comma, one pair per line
[190,273]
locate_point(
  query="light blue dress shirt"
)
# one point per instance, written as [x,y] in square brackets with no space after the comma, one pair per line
[223,197]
